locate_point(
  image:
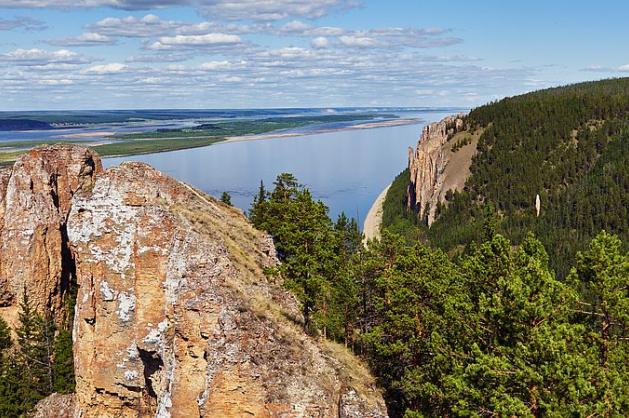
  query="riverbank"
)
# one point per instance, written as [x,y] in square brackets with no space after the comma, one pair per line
[371,227]
[367,125]
[113,146]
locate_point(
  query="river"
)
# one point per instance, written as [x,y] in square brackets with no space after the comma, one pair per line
[346,169]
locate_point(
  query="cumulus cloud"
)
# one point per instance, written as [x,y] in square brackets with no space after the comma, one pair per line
[81,4]
[603,69]
[320,42]
[208,40]
[398,38]
[85,39]
[215,62]
[222,65]
[148,26]
[358,41]
[40,57]
[261,10]
[269,10]
[22,22]
[104,69]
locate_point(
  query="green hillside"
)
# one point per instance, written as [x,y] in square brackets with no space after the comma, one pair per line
[569,145]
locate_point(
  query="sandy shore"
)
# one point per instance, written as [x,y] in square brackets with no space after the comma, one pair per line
[371,228]
[368,125]
[87,135]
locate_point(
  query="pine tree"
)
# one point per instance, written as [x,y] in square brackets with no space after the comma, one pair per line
[226,198]
[35,337]
[63,366]
[257,213]
[5,336]
[602,273]
[306,244]
[15,396]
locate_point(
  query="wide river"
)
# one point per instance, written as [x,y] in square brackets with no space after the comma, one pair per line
[345,169]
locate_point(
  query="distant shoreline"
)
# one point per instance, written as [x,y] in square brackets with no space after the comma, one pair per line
[368,125]
[111,149]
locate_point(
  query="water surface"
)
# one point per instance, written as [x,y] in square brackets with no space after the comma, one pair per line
[346,169]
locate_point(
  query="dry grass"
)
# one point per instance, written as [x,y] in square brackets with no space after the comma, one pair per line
[268,302]
[457,171]
[353,371]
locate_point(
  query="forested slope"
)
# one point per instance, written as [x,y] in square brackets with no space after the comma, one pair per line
[567,144]
[491,333]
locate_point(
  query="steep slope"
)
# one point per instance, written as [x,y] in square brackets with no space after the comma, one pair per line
[567,145]
[441,163]
[35,200]
[174,315]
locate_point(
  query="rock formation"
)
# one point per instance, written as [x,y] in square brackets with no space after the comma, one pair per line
[35,200]
[174,315]
[427,166]
[55,406]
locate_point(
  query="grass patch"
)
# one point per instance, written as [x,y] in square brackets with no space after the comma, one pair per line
[152,146]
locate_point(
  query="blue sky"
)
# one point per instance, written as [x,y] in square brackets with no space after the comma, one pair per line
[103,54]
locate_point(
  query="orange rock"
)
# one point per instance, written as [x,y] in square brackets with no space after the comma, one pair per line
[427,165]
[35,200]
[174,315]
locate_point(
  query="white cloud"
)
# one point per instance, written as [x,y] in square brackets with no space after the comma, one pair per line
[104,69]
[320,42]
[358,41]
[603,69]
[82,4]
[222,65]
[269,10]
[85,39]
[39,57]
[22,22]
[147,26]
[56,82]
[207,40]
[262,10]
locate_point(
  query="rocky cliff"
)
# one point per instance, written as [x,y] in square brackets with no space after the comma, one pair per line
[174,315]
[35,200]
[436,167]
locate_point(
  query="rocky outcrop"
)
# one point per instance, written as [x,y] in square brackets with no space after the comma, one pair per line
[174,315]
[427,166]
[35,200]
[56,405]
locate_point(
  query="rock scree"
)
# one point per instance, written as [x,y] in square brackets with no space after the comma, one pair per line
[174,314]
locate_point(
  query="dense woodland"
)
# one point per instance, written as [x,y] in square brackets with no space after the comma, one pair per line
[37,362]
[570,145]
[493,332]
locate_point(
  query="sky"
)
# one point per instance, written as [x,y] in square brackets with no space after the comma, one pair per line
[130,54]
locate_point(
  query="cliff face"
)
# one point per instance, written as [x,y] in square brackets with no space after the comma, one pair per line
[35,200]
[174,315]
[432,168]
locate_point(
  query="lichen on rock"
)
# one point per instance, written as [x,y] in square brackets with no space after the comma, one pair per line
[174,316]
[35,200]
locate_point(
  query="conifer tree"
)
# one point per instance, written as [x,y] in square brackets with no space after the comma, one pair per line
[226,198]
[63,365]
[257,213]
[5,336]
[35,338]
[602,273]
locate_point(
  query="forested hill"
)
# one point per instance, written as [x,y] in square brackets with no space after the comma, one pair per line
[570,145]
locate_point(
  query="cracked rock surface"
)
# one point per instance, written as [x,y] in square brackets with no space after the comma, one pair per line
[174,315]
